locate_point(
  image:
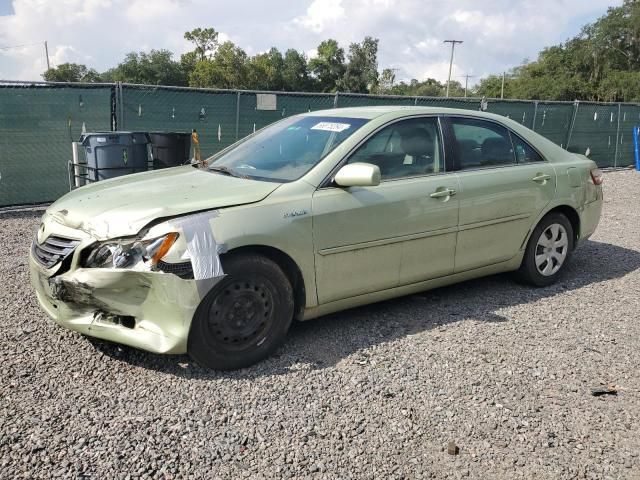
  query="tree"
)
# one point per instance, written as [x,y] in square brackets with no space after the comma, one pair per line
[71,72]
[265,70]
[620,86]
[361,73]
[426,88]
[226,69]
[386,81]
[597,64]
[205,41]
[188,62]
[430,88]
[490,87]
[154,68]
[328,67]
[295,72]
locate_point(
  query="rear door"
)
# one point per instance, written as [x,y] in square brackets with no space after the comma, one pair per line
[504,185]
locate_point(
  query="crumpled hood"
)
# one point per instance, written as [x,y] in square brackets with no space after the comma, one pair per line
[122,206]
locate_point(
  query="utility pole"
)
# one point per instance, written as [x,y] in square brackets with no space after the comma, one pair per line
[453,47]
[502,88]
[46,53]
[466,83]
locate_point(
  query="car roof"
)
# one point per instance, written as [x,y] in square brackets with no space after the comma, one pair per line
[386,113]
[400,111]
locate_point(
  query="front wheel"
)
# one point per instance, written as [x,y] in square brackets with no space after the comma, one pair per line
[245,317]
[548,251]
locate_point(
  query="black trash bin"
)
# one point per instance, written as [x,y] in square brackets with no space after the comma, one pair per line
[170,149]
[113,154]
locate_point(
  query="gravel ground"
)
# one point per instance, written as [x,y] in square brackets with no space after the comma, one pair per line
[502,370]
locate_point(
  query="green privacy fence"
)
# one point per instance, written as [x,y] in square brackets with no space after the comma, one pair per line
[38,122]
[37,126]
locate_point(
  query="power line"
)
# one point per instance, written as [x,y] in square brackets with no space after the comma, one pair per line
[46,49]
[20,46]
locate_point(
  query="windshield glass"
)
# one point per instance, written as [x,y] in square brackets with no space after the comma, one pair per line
[286,150]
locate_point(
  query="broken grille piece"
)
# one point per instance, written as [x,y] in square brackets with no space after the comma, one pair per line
[183,270]
[53,250]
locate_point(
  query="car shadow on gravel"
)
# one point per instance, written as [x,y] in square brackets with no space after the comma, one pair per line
[324,342]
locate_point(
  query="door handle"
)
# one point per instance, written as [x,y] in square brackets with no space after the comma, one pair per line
[541,177]
[447,192]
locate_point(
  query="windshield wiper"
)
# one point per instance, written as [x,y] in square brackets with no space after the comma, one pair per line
[227,171]
[224,170]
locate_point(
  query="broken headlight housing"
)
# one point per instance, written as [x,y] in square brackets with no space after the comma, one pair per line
[122,254]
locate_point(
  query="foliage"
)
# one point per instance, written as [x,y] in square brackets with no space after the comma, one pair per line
[328,66]
[227,68]
[266,70]
[71,72]
[205,41]
[154,68]
[602,62]
[295,72]
[361,73]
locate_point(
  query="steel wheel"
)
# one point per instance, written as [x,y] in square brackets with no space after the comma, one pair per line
[245,316]
[240,314]
[551,249]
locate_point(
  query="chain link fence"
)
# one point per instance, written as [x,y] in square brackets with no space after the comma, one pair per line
[37,126]
[38,122]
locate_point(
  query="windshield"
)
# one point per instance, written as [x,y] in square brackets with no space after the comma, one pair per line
[286,150]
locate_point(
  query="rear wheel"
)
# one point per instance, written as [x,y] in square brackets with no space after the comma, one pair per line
[548,251]
[245,317]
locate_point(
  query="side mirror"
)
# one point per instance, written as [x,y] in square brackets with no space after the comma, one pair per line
[358,175]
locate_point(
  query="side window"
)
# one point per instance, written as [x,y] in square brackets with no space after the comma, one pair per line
[481,144]
[524,152]
[404,149]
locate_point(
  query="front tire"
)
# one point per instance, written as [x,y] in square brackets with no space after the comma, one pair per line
[548,251]
[245,317]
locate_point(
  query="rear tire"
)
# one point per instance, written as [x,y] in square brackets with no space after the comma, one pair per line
[548,251]
[245,317]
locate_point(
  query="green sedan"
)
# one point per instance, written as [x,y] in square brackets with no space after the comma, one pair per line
[316,213]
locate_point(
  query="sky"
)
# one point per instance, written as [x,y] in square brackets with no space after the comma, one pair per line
[497,34]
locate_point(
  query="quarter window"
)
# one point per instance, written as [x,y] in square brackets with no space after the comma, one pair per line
[524,152]
[404,149]
[481,144]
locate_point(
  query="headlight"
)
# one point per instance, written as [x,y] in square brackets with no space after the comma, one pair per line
[122,255]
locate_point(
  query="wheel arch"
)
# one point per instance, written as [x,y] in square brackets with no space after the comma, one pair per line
[284,261]
[573,217]
[568,211]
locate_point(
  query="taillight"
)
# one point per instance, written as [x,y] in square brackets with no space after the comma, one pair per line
[597,176]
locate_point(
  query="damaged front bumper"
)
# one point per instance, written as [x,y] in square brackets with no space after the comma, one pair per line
[140,306]
[147,310]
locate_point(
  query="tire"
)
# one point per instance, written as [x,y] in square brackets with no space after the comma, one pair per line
[546,258]
[245,317]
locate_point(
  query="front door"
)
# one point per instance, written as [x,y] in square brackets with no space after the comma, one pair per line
[504,185]
[402,231]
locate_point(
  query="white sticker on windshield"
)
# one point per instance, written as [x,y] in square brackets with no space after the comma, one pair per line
[331,126]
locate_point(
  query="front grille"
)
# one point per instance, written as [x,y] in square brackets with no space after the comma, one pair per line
[182,270]
[53,250]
